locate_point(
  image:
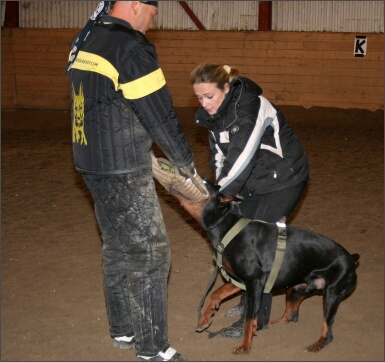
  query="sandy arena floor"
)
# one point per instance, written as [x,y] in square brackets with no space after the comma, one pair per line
[52,298]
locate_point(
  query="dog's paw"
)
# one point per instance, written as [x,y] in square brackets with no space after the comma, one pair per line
[280,320]
[317,346]
[202,325]
[242,349]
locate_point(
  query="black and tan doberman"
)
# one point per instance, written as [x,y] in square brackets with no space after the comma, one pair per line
[312,263]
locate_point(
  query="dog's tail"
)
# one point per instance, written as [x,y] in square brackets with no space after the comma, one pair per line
[356,257]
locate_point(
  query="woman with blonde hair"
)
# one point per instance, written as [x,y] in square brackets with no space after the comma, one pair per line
[255,155]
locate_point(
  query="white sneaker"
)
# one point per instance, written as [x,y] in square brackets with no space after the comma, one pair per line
[124,342]
[169,355]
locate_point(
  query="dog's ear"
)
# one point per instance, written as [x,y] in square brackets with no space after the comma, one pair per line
[225,199]
[228,198]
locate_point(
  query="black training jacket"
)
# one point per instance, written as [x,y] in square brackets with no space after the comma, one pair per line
[121,103]
[254,150]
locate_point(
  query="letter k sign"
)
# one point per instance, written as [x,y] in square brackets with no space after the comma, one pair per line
[360,46]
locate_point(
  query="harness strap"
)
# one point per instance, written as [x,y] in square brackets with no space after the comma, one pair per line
[228,237]
[279,253]
[232,280]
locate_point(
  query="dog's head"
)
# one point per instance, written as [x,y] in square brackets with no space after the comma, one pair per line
[217,207]
[208,212]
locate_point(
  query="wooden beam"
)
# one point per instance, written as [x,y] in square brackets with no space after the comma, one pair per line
[191,14]
[264,17]
[11,19]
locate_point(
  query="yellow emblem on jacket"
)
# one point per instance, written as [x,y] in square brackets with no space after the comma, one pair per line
[78,135]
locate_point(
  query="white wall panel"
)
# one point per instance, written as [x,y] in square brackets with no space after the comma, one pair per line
[332,16]
[214,15]
[172,16]
[55,14]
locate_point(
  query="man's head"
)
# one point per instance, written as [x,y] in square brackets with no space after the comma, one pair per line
[154,3]
[139,14]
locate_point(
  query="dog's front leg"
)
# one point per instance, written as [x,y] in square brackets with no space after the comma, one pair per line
[250,330]
[254,296]
[216,298]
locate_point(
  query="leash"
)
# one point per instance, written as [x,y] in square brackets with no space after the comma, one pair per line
[238,227]
[220,248]
[209,285]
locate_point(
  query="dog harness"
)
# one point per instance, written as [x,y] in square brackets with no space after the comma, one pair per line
[279,252]
[229,277]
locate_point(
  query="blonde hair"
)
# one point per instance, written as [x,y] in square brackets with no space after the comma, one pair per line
[213,73]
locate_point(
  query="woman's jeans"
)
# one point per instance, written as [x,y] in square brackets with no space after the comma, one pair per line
[136,257]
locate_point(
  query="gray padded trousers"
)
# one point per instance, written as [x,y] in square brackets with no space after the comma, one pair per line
[136,257]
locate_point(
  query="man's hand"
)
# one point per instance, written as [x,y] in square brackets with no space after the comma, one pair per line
[185,180]
[188,171]
[190,174]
